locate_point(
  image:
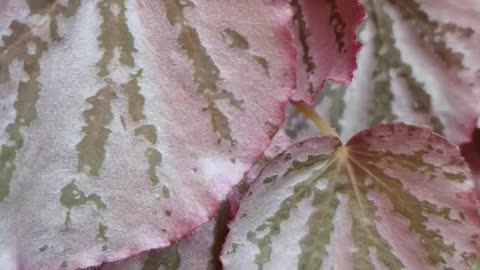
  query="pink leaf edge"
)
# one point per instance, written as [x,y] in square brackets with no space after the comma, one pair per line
[327,46]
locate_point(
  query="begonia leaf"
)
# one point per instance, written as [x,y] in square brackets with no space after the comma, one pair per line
[393,197]
[124,124]
[200,250]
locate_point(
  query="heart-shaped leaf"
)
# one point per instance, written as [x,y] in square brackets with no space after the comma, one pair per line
[124,124]
[393,197]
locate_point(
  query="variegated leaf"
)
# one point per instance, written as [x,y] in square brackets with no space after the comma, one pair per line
[420,64]
[326,43]
[123,124]
[199,251]
[393,197]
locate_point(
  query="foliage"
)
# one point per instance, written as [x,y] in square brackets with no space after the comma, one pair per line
[126,125]
[394,197]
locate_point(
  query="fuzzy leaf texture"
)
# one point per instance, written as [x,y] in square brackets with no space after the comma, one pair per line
[393,197]
[125,123]
[200,250]
[419,64]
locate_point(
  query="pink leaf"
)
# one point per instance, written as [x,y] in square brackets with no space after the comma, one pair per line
[124,124]
[200,250]
[394,197]
[326,43]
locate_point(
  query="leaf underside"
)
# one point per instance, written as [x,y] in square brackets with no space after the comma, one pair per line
[394,197]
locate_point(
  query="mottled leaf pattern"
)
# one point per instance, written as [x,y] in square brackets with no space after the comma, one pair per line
[326,43]
[394,197]
[123,124]
[419,64]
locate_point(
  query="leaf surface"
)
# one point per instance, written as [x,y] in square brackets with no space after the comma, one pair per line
[394,197]
[200,250]
[124,124]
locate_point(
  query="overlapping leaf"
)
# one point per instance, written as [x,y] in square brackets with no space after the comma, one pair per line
[326,43]
[199,251]
[419,64]
[394,197]
[125,123]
